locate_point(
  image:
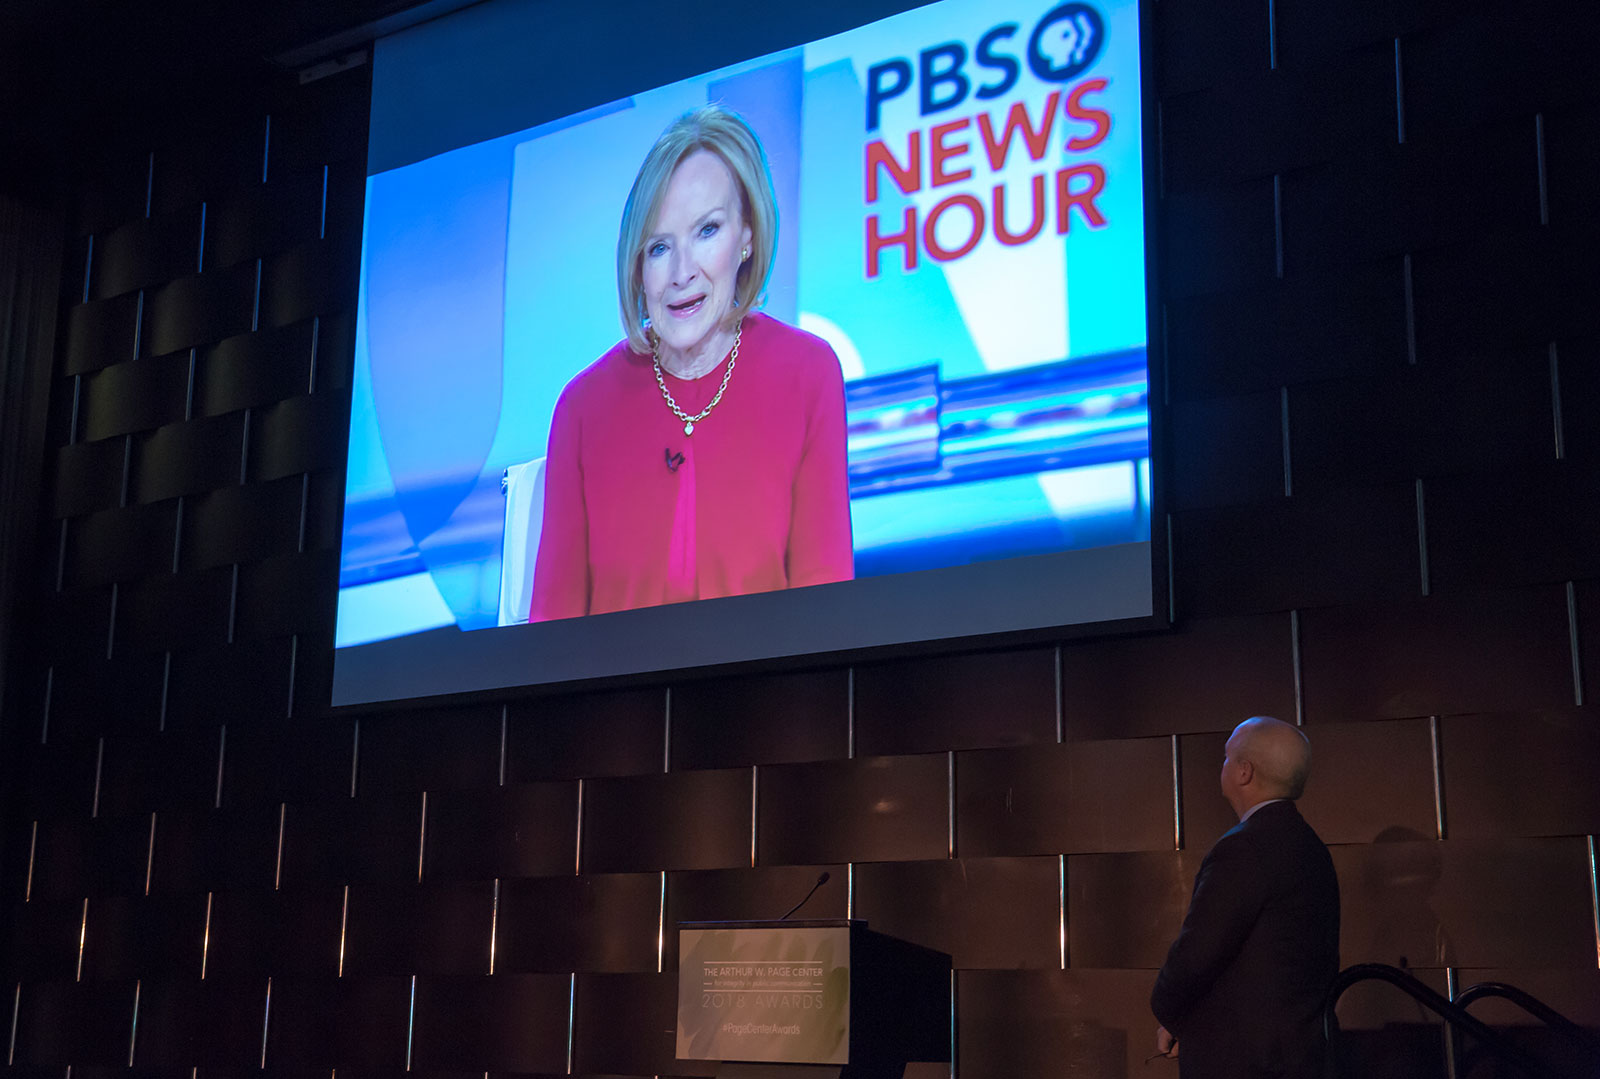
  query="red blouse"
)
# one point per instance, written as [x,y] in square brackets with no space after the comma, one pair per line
[760,499]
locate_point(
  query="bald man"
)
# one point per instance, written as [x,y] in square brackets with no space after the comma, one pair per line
[1240,995]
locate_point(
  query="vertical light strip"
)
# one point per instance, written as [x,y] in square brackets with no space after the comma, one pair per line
[138,325]
[1399,95]
[322,228]
[1061,720]
[1446,1031]
[255,309]
[1299,674]
[266,148]
[233,584]
[572,1007]
[61,550]
[88,267]
[1277,224]
[149,180]
[577,846]
[1555,405]
[305,504]
[205,939]
[504,711]
[666,734]
[316,343]
[83,935]
[1422,536]
[33,847]
[111,623]
[99,759]
[1594,905]
[1411,311]
[1573,643]
[422,837]
[755,800]
[849,889]
[150,854]
[1272,35]
[411,1021]
[200,257]
[294,658]
[72,428]
[494,924]
[16,1008]
[1061,900]
[166,661]
[266,1023]
[355,756]
[1544,191]
[850,713]
[133,1031]
[1177,795]
[222,756]
[50,672]
[277,869]
[188,389]
[1288,469]
[950,803]
[127,469]
[1437,746]
[661,925]
[344,923]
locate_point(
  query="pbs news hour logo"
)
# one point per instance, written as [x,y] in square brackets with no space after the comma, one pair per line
[974,80]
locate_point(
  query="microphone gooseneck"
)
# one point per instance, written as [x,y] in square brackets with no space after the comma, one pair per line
[821,880]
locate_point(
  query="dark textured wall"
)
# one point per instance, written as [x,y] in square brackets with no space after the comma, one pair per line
[1384,415]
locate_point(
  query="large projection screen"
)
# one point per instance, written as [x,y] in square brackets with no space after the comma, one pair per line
[960,266]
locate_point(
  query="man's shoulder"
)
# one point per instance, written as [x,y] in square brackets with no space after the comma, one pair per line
[1235,849]
[1281,832]
[1281,814]
[1271,825]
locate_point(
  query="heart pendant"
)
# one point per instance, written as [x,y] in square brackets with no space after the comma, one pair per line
[688,428]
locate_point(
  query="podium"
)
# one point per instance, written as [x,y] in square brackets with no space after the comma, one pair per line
[809,999]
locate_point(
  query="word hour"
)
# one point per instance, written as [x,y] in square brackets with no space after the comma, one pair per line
[947,154]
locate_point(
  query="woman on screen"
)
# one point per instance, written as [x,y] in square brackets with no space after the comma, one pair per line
[704,454]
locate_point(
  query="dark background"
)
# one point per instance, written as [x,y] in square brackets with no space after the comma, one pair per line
[1384,428]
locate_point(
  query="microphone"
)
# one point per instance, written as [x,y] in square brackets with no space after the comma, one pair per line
[821,880]
[673,459]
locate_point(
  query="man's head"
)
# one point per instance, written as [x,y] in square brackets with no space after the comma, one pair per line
[1266,758]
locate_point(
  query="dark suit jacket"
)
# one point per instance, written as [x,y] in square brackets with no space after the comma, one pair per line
[1243,984]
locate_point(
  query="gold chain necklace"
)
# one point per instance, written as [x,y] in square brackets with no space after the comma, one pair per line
[688,420]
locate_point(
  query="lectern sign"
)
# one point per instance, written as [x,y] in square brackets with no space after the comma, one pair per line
[774,995]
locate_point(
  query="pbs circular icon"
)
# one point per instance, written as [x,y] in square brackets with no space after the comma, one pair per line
[1065,42]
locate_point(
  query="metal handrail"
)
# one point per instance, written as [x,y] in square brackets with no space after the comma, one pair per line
[1533,1006]
[1458,1017]
[1528,1003]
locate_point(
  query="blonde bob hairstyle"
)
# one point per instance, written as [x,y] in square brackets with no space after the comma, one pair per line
[724,133]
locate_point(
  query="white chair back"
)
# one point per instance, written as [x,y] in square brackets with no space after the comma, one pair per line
[523,486]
